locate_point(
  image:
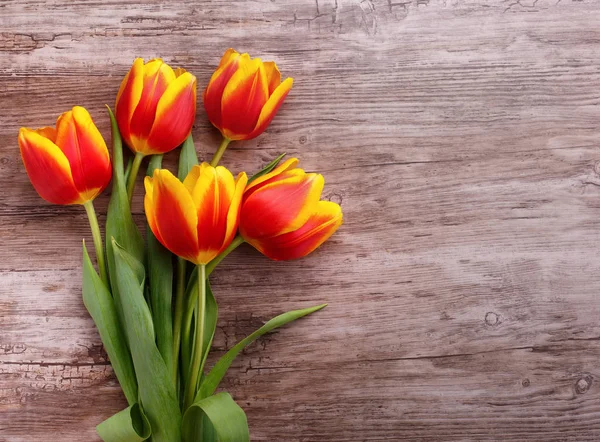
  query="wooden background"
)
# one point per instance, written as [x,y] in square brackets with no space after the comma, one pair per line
[461,138]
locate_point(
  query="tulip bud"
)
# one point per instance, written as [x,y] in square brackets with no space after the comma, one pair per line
[196,219]
[244,95]
[282,216]
[155,107]
[68,164]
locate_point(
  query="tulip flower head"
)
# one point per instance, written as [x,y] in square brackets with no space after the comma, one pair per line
[155,107]
[282,215]
[196,219]
[244,95]
[68,164]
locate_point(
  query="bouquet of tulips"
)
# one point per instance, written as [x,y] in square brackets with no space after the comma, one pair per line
[151,301]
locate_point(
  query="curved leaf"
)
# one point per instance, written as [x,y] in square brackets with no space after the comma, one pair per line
[215,418]
[99,304]
[128,425]
[160,281]
[156,391]
[210,321]
[119,222]
[188,158]
[213,379]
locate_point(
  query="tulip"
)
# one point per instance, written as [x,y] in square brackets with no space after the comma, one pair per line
[155,110]
[282,215]
[196,220]
[242,97]
[69,164]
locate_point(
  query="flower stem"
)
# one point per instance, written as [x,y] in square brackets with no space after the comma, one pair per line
[137,160]
[179,295]
[91,214]
[197,357]
[237,241]
[219,153]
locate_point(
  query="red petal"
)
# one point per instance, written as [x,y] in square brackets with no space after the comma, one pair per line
[270,109]
[157,77]
[81,142]
[128,98]
[282,205]
[172,212]
[325,220]
[243,99]
[48,168]
[212,195]
[213,93]
[175,115]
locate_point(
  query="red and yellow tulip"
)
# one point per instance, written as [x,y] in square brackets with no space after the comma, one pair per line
[244,95]
[282,215]
[196,219]
[69,163]
[155,107]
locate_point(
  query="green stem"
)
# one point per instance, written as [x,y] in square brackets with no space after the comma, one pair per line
[219,153]
[197,356]
[192,300]
[91,213]
[137,160]
[237,241]
[179,296]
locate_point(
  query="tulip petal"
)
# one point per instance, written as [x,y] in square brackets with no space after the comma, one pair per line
[192,178]
[271,107]
[230,54]
[179,71]
[157,77]
[212,196]
[281,206]
[172,213]
[47,132]
[323,222]
[128,97]
[243,99]
[273,75]
[214,91]
[233,215]
[81,142]
[48,168]
[287,165]
[175,115]
[149,208]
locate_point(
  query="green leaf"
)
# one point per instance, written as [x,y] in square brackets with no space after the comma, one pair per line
[128,425]
[99,303]
[188,158]
[119,222]
[128,168]
[160,281]
[213,379]
[210,321]
[268,168]
[215,418]
[156,391]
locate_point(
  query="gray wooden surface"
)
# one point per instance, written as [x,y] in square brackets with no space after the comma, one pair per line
[461,138]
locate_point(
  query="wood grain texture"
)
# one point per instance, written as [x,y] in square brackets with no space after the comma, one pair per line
[461,138]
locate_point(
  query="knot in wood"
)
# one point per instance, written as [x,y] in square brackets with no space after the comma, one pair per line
[583,384]
[492,318]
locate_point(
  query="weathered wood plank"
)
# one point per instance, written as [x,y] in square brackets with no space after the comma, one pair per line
[461,138]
